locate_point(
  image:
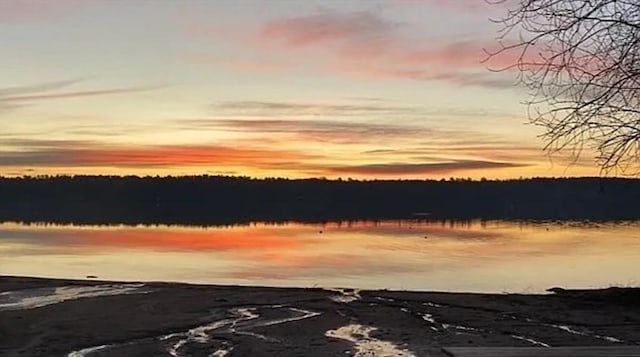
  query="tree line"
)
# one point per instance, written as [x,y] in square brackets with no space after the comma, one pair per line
[205,200]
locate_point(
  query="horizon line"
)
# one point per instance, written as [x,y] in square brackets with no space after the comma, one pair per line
[319,178]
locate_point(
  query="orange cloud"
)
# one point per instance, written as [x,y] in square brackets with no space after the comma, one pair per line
[189,155]
[65,154]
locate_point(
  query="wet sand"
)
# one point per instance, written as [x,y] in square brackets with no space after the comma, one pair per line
[49,317]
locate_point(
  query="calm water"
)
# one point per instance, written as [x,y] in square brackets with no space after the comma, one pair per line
[492,256]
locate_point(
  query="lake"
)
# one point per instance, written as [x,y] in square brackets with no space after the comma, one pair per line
[477,256]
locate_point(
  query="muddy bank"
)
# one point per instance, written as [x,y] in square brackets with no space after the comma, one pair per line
[47,317]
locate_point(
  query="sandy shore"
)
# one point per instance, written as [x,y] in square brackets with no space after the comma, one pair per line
[48,317]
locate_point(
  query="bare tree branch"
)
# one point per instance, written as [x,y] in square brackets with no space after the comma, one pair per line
[580,61]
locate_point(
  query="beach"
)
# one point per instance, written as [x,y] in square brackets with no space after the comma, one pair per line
[53,317]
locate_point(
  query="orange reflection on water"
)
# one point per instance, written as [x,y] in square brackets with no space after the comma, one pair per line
[186,239]
[469,256]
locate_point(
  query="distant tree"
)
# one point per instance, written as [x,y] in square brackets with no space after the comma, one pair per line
[580,59]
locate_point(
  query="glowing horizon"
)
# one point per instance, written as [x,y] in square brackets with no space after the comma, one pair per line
[378,89]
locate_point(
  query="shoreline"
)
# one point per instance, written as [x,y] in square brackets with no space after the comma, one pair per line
[64,317]
[23,281]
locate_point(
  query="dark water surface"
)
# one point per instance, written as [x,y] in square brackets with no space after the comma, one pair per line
[494,256]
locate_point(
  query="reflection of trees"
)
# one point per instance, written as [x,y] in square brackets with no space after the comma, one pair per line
[202,200]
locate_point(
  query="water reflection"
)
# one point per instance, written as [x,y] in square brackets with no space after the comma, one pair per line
[489,256]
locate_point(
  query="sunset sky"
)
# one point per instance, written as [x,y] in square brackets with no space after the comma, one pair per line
[342,88]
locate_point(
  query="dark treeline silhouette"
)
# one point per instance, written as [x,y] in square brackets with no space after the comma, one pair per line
[203,200]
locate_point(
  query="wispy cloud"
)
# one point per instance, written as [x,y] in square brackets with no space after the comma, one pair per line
[367,99]
[21,143]
[20,95]
[403,169]
[326,27]
[456,77]
[422,161]
[321,129]
[21,11]
[277,108]
[35,88]
[484,149]
[365,107]
[367,45]
[63,153]
[9,92]
[472,6]
[335,131]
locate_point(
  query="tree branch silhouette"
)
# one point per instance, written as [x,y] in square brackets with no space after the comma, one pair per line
[580,61]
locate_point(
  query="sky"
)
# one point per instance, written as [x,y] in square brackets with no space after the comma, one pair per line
[281,88]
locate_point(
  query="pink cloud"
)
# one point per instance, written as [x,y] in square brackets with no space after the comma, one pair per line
[365,45]
[475,6]
[463,53]
[467,54]
[19,11]
[324,28]
[456,77]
